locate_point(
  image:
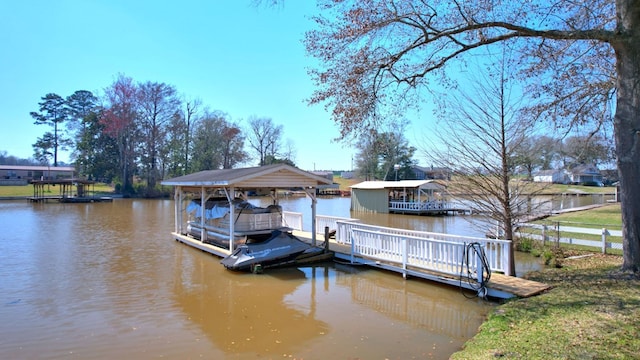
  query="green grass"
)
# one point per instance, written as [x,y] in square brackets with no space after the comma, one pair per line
[27,190]
[345,183]
[592,312]
[580,189]
[607,215]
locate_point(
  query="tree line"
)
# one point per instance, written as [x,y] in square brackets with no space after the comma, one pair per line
[147,131]
[385,154]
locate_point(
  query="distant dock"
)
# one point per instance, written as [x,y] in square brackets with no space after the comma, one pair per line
[69,191]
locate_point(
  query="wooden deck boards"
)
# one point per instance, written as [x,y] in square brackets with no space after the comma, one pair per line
[517,286]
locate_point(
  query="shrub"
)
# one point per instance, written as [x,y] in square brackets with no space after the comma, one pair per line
[524,244]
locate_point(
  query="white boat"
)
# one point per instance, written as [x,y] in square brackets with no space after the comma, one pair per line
[251,223]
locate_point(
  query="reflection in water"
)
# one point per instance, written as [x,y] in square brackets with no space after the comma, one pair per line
[106,280]
[441,312]
[244,313]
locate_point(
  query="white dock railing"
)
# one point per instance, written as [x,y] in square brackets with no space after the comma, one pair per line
[429,254]
[292,220]
[496,251]
[436,205]
[331,222]
[427,250]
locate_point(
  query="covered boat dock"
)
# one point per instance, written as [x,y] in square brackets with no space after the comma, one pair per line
[69,191]
[417,197]
[234,185]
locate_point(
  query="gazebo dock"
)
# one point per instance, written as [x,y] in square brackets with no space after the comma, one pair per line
[69,191]
[417,197]
[234,185]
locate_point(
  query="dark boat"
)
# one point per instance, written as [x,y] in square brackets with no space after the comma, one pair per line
[281,249]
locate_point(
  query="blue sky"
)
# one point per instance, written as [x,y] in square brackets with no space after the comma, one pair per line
[235,57]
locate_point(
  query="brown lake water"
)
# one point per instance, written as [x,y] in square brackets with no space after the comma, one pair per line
[106,280]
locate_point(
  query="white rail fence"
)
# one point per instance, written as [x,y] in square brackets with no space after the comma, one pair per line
[551,234]
[496,251]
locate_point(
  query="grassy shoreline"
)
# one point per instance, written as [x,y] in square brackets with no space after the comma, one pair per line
[592,312]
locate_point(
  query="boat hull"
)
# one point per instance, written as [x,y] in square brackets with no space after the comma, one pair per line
[281,249]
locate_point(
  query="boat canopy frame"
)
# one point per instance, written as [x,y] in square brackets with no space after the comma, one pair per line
[238,182]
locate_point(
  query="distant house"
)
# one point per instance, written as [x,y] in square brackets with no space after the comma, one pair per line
[325,188]
[431,173]
[585,175]
[551,176]
[346,174]
[22,175]
[325,174]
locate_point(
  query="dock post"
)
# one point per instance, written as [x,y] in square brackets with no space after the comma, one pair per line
[326,238]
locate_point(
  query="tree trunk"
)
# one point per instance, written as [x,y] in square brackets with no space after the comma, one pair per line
[627,128]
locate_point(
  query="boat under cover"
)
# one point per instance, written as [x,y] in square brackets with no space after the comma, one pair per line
[281,249]
[251,223]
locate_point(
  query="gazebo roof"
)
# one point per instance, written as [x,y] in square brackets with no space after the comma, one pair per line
[402,184]
[268,176]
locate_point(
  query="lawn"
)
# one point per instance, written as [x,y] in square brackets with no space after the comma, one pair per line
[345,183]
[607,215]
[592,311]
[578,189]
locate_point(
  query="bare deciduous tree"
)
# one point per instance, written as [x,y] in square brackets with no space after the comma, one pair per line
[119,120]
[158,103]
[264,138]
[480,133]
[377,53]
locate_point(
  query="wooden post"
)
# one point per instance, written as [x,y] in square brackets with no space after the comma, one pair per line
[604,240]
[326,238]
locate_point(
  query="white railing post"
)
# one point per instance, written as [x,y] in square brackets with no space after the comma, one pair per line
[404,257]
[479,265]
[604,240]
[353,241]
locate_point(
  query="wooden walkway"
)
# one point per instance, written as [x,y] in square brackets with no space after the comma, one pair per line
[499,286]
[517,286]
